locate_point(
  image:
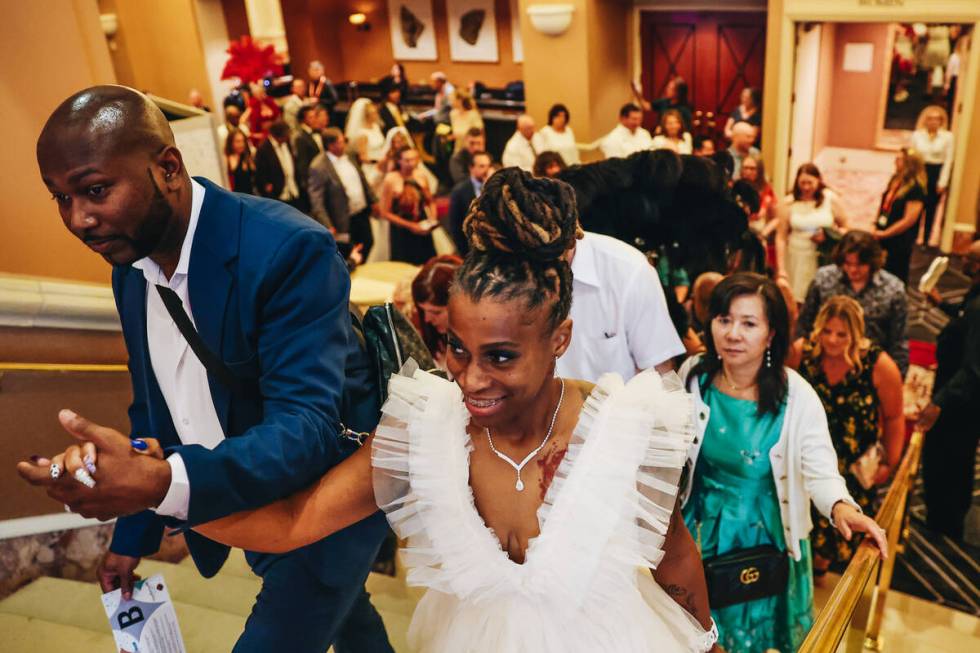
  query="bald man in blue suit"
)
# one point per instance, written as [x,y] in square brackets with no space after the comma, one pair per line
[267,293]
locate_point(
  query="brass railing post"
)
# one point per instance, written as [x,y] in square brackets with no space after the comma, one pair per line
[856,602]
[872,639]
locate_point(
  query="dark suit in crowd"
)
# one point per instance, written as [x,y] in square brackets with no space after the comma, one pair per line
[330,206]
[459,205]
[269,173]
[305,149]
[950,447]
[459,166]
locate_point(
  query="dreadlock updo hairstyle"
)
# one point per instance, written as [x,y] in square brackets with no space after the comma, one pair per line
[518,231]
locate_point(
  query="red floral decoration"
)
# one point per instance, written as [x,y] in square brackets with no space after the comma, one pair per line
[250,62]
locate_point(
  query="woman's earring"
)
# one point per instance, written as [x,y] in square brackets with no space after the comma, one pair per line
[719,356]
[768,356]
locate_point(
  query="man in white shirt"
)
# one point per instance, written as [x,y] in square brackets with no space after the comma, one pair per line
[743,135]
[295,101]
[443,102]
[523,147]
[340,196]
[619,313]
[256,289]
[628,136]
[275,168]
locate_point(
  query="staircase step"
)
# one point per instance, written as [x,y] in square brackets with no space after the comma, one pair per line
[77,605]
[29,635]
[225,592]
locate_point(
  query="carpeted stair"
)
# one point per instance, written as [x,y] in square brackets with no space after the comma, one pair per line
[58,614]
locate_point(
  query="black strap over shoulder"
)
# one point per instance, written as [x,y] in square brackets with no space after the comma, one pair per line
[211,361]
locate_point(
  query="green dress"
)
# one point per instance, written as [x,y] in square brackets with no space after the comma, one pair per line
[733,506]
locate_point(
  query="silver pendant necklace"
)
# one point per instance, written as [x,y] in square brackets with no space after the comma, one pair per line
[519,486]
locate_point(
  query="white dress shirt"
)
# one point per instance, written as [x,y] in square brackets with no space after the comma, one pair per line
[289,190]
[562,142]
[622,142]
[181,376]
[619,313]
[521,152]
[937,150]
[356,201]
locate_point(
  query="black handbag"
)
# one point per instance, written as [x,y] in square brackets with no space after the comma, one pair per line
[746,575]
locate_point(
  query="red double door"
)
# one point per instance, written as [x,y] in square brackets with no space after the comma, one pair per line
[717,53]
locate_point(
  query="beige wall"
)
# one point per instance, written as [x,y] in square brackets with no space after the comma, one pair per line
[159,48]
[62,42]
[318,29]
[587,68]
[825,80]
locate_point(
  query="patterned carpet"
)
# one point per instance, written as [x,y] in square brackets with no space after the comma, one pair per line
[933,566]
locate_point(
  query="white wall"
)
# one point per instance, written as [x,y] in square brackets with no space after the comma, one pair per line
[805,94]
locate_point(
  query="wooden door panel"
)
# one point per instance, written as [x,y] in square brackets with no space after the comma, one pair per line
[718,53]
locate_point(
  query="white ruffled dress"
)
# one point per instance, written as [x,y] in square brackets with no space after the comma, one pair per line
[585,584]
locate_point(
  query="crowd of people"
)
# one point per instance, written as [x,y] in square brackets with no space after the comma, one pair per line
[754,409]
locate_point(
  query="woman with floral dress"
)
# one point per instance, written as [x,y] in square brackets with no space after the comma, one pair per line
[860,387]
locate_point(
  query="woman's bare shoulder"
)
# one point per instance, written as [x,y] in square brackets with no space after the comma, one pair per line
[581,388]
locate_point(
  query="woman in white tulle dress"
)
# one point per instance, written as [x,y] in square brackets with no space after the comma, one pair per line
[534,507]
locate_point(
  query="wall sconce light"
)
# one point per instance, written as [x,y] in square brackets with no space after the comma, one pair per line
[359,21]
[110,26]
[552,20]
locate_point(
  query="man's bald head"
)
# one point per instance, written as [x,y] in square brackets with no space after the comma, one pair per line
[525,125]
[108,157]
[108,119]
[743,135]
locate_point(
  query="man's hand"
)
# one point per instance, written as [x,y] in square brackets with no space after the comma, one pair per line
[126,481]
[116,572]
[928,417]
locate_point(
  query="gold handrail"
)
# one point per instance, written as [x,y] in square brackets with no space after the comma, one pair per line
[60,367]
[854,598]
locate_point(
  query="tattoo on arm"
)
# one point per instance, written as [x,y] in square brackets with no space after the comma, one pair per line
[684,598]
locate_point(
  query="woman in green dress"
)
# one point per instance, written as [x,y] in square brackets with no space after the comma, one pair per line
[860,387]
[762,455]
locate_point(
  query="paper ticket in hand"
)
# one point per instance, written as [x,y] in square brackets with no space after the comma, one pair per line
[147,623]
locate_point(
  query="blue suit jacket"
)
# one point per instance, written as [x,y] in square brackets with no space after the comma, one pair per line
[269,295]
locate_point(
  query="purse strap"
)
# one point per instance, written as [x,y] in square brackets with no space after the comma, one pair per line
[211,361]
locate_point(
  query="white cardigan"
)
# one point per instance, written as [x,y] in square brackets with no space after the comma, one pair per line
[804,463]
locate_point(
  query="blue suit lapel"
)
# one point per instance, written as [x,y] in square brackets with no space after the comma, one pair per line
[211,279]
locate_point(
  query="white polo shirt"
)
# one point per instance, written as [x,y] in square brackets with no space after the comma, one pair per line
[619,314]
[622,142]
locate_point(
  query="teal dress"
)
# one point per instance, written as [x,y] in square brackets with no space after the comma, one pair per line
[733,505]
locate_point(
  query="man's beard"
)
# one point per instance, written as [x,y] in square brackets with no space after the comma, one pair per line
[157,221]
[152,233]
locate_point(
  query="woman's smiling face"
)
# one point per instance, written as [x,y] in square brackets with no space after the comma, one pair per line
[501,354]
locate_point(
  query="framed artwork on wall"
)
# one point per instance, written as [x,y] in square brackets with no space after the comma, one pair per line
[472,30]
[413,34]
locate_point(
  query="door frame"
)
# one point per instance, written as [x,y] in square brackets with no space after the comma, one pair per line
[780,73]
